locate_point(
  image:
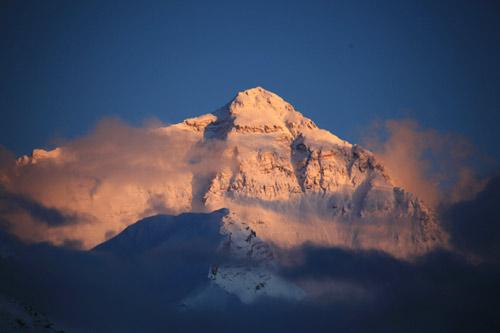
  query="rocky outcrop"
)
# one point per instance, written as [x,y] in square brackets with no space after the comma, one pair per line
[288,180]
[280,158]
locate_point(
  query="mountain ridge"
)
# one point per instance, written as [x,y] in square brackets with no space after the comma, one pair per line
[290,180]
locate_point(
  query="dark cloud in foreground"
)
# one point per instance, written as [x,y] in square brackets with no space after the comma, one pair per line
[474,225]
[13,203]
[439,292]
[84,292]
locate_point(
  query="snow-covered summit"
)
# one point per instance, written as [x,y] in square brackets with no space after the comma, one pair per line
[287,179]
[259,107]
[258,111]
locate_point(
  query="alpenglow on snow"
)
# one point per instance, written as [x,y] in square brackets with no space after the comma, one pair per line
[283,180]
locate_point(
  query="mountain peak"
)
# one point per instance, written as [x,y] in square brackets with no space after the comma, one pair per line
[258,99]
[261,110]
[254,111]
[288,180]
[256,90]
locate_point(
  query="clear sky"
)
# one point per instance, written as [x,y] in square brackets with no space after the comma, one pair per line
[65,64]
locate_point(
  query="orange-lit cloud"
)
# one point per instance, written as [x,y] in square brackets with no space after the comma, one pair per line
[438,168]
[93,187]
[98,184]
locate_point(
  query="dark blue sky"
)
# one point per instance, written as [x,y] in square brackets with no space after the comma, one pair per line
[66,64]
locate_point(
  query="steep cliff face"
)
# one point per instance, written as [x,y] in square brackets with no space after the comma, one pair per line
[274,169]
[294,182]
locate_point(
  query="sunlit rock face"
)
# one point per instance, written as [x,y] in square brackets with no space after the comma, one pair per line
[293,183]
[288,180]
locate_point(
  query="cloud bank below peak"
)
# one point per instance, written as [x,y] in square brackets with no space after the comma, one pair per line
[92,187]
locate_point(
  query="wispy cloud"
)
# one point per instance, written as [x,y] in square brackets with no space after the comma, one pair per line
[437,167]
[115,175]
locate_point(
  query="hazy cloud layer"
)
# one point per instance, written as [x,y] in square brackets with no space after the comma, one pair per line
[438,168]
[96,185]
[115,175]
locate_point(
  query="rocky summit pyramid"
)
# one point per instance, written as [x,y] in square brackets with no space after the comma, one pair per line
[283,180]
[294,182]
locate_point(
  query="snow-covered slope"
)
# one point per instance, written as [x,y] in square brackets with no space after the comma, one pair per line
[293,182]
[240,264]
[160,231]
[288,180]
